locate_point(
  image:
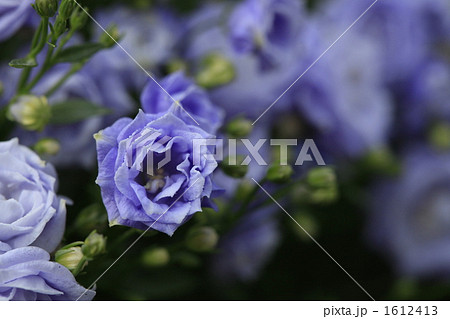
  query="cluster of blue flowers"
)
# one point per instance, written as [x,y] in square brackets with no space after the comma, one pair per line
[378,97]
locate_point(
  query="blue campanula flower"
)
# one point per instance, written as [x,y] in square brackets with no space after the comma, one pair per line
[26,274]
[410,219]
[254,88]
[344,97]
[136,188]
[77,147]
[244,251]
[193,99]
[265,28]
[32,214]
[13,15]
[148,36]
[405,30]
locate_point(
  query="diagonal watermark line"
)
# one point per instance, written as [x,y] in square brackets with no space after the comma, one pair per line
[315,241]
[134,242]
[135,61]
[314,63]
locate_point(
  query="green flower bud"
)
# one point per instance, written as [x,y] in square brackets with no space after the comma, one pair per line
[308,222]
[234,169]
[439,136]
[32,112]
[59,28]
[71,258]
[244,190]
[95,244]
[46,8]
[156,257]
[47,146]
[322,185]
[78,19]
[321,177]
[239,128]
[109,39]
[380,161]
[65,9]
[176,65]
[215,70]
[202,239]
[279,173]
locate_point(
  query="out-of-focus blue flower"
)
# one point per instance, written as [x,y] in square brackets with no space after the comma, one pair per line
[253,88]
[148,36]
[245,250]
[410,217]
[265,28]
[77,146]
[343,96]
[26,274]
[13,15]
[405,30]
[194,100]
[136,189]
[32,214]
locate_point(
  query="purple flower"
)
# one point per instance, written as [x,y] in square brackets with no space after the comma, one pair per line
[265,27]
[27,274]
[13,15]
[137,190]
[405,30]
[148,36]
[32,214]
[344,97]
[245,250]
[410,218]
[194,100]
[254,88]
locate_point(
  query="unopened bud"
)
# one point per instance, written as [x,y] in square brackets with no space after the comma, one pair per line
[95,244]
[232,166]
[215,70]
[66,8]
[46,8]
[322,177]
[111,36]
[32,112]
[322,185]
[440,136]
[47,146]
[239,128]
[156,257]
[202,239]
[279,173]
[71,258]
[78,19]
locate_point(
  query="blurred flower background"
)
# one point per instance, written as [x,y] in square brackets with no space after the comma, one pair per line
[377,105]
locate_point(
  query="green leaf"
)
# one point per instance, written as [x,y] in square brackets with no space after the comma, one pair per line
[78,53]
[73,111]
[27,62]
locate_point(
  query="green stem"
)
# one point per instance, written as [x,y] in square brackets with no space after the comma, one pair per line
[75,68]
[47,65]
[64,41]
[44,38]
[80,266]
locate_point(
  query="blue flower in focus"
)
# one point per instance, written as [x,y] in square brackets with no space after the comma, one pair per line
[410,217]
[244,251]
[13,15]
[194,100]
[265,27]
[32,214]
[26,274]
[137,190]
